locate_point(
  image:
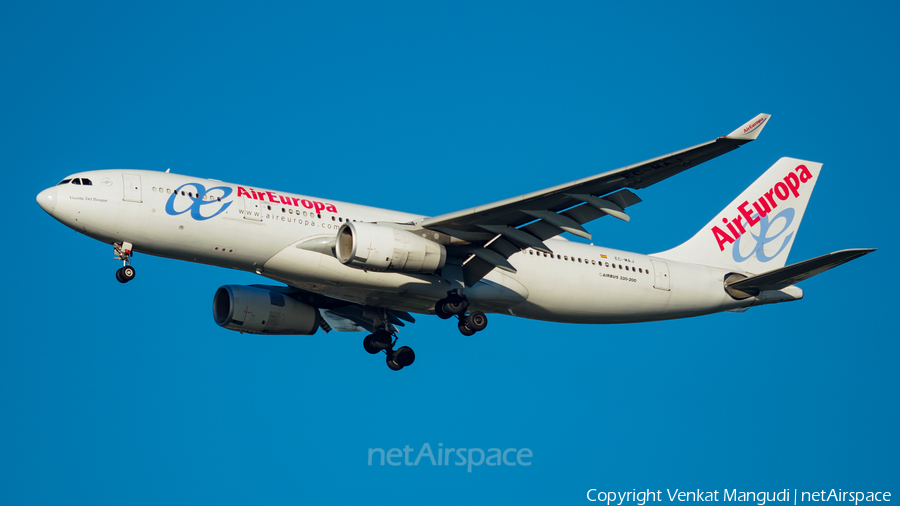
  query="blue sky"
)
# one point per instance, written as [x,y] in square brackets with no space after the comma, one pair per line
[130,394]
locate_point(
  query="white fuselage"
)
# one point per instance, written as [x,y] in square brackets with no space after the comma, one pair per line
[257,230]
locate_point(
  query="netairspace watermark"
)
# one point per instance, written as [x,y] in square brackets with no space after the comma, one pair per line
[469,457]
[640,498]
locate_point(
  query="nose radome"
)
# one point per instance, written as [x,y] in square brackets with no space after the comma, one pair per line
[47,200]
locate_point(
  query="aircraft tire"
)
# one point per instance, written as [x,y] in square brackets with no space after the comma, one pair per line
[465,330]
[476,321]
[454,305]
[394,366]
[439,311]
[370,346]
[381,339]
[128,273]
[404,356]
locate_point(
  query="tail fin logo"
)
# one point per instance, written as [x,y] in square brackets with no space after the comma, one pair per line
[763,238]
[749,128]
[782,191]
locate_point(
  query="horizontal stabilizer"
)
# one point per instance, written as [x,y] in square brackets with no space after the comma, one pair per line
[792,274]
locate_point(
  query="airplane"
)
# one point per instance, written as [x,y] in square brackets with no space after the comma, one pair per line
[347,267]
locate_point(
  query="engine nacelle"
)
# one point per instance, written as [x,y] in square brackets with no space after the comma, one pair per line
[379,248]
[261,311]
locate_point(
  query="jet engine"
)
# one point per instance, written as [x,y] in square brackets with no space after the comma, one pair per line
[378,248]
[259,310]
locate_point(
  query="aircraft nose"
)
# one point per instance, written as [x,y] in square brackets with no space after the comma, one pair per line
[47,200]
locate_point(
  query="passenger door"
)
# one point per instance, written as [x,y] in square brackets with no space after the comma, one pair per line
[132,188]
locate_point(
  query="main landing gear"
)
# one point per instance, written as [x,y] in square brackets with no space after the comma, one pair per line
[383,340]
[456,305]
[123,253]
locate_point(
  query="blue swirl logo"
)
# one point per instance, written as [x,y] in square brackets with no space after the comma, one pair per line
[197,201]
[765,224]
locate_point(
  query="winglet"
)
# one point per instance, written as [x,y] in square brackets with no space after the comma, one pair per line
[751,129]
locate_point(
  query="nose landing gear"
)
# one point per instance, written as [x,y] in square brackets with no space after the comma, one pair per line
[123,252]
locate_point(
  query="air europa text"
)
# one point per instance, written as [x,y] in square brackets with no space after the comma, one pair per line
[782,191]
[274,198]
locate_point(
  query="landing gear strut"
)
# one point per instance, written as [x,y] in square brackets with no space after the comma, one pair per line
[123,253]
[383,340]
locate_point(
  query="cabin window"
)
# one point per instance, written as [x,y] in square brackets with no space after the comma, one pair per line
[593,262]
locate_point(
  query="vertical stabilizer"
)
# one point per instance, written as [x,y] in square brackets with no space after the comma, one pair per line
[756,231]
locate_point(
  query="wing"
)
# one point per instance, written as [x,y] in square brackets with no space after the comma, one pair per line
[494,232]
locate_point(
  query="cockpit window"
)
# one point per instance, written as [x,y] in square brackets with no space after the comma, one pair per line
[64,181]
[87,182]
[76,181]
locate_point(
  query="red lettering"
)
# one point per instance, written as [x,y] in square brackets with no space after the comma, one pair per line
[731,228]
[319,206]
[804,173]
[771,200]
[242,191]
[331,208]
[296,201]
[761,212]
[737,223]
[796,180]
[721,238]
[307,204]
[285,200]
[747,214]
[272,197]
[781,191]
